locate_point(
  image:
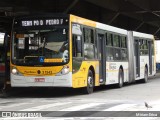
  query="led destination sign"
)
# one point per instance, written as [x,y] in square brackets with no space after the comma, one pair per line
[42,22]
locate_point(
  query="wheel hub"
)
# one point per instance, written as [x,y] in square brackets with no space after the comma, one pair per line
[90,81]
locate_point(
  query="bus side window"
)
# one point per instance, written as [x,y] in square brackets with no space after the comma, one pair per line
[123,48]
[89,44]
[77,46]
[109,46]
[76,40]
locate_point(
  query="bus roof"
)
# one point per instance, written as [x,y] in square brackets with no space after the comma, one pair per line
[143,35]
[95,24]
[111,28]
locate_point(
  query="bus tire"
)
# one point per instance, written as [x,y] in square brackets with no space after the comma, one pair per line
[145,79]
[120,79]
[90,83]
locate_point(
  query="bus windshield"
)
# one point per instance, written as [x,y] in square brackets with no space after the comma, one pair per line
[37,47]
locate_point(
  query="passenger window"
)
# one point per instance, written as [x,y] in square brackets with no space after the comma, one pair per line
[116,40]
[109,41]
[89,44]
[123,42]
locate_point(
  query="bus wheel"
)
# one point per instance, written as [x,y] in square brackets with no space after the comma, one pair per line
[145,80]
[90,83]
[120,79]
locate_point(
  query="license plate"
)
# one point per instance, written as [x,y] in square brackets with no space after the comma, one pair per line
[39,79]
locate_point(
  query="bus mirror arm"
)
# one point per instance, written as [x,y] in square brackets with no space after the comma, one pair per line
[6,58]
[5,40]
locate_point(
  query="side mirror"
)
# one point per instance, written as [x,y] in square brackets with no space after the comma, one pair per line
[6,46]
[2,38]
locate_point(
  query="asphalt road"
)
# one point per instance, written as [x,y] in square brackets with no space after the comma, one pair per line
[75,103]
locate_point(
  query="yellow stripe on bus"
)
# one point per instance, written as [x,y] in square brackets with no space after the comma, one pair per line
[52,60]
[82,21]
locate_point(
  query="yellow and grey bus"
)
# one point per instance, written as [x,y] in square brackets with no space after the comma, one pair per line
[70,51]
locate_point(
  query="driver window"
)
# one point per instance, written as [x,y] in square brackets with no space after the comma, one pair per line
[76,40]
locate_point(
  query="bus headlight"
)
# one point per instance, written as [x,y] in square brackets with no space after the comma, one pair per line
[64,71]
[14,71]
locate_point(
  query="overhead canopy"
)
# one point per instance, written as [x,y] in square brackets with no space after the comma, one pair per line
[137,15]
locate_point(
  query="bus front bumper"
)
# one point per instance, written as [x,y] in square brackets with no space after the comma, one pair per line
[41,81]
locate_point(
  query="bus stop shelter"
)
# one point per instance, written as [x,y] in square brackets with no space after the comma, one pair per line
[137,15]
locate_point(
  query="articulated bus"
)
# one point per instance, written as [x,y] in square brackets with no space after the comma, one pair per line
[70,51]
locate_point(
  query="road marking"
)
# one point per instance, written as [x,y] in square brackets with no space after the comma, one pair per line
[119,107]
[13,105]
[80,107]
[44,106]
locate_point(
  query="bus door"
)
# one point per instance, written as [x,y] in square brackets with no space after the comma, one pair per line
[137,58]
[150,56]
[101,56]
